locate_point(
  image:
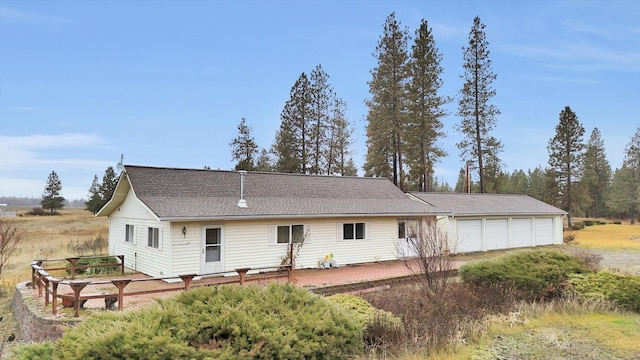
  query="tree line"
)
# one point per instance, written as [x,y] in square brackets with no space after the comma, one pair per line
[404,132]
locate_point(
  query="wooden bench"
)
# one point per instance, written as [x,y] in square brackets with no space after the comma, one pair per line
[110,300]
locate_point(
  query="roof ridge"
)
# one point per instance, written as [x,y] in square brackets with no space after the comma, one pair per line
[275,173]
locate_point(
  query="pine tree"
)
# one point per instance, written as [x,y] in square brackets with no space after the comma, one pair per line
[566,156]
[291,145]
[244,148]
[424,125]
[339,159]
[536,183]
[108,186]
[596,176]
[95,201]
[322,96]
[264,162]
[387,106]
[478,115]
[625,190]
[51,198]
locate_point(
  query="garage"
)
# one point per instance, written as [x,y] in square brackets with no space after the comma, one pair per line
[522,232]
[481,222]
[469,235]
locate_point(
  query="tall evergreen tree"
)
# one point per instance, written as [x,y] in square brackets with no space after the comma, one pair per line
[95,201]
[339,159]
[322,96]
[596,176]
[424,125]
[108,186]
[625,191]
[620,200]
[478,115]
[264,162]
[244,148]
[536,183]
[387,106]
[291,145]
[51,198]
[566,156]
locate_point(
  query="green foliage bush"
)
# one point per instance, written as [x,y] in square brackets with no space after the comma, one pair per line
[624,290]
[381,328]
[578,225]
[279,321]
[540,273]
[617,222]
[42,351]
[97,261]
[590,222]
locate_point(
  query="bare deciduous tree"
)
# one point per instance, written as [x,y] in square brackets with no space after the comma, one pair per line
[430,263]
[10,237]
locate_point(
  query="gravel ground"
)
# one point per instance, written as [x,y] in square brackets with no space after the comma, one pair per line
[627,262]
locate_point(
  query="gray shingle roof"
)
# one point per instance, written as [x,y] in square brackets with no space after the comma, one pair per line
[175,194]
[461,204]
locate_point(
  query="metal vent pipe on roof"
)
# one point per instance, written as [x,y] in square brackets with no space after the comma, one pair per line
[242,202]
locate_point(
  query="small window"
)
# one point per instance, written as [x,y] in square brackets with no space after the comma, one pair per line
[351,231]
[290,233]
[154,238]
[129,234]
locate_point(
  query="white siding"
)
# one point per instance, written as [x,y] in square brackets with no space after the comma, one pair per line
[246,244]
[137,255]
[521,232]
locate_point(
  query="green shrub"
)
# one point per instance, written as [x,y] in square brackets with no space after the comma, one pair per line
[41,351]
[624,290]
[381,328]
[96,261]
[617,222]
[590,222]
[279,321]
[578,225]
[537,272]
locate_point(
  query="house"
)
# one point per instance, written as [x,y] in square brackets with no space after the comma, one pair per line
[481,222]
[169,221]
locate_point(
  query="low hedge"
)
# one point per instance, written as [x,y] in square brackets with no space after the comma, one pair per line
[380,326]
[538,272]
[278,321]
[624,290]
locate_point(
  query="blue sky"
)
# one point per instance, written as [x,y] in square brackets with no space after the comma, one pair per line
[166,82]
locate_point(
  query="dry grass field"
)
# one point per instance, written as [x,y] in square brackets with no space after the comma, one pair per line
[49,237]
[609,237]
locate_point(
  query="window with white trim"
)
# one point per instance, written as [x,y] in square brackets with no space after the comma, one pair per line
[354,231]
[129,233]
[153,239]
[286,234]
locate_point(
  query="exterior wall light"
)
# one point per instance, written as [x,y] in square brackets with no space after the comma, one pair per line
[184,231]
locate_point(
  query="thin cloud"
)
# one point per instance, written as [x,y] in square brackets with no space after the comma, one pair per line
[26,108]
[17,16]
[20,151]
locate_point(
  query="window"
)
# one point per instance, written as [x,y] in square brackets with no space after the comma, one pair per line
[129,234]
[290,233]
[154,238]
[351,231]
[407,229]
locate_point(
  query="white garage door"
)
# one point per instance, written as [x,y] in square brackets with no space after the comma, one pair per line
[522,232]
[544,231]
[497,233]
[469,235]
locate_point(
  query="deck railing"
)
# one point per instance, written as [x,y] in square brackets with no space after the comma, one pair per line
[49,286]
